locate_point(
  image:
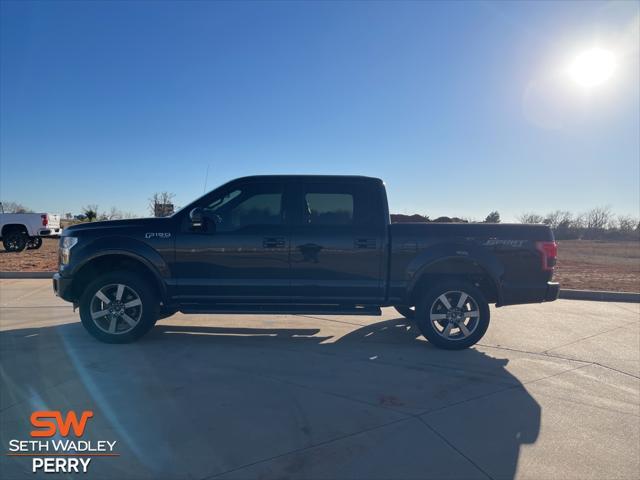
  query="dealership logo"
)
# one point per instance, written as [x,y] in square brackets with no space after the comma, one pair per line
[57,444]
[43,420]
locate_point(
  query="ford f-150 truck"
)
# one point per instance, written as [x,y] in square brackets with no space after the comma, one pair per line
[301,244]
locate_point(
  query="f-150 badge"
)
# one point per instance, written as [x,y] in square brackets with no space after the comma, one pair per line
[157,235]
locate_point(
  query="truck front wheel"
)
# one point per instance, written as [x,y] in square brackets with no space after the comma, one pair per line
[453,315]
[119,307]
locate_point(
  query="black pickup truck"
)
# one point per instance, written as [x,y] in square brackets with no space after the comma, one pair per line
[301,244]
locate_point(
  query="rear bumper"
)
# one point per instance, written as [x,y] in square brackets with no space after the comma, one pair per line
[62,287]
[49,232]
[515,295]
[553,291]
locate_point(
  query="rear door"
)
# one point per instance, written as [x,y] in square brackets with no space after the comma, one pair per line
[337,241]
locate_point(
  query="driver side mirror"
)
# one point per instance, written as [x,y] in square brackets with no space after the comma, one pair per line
[196,216]
[201,221]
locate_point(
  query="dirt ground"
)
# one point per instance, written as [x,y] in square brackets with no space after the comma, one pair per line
[583,264]
[598,265]
[42,260]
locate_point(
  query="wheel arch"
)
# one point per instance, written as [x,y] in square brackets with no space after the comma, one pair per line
[478,271]
[10,227]
[116,261]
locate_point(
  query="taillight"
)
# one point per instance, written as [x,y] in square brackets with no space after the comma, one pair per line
[45,220]
[549,254]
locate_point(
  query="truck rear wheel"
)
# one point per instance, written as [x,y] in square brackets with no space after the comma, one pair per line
[119,307]
[453,315]
[15,241]
[34,243]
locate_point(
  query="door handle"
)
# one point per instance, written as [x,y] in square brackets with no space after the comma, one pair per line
[365,243]
[273,242]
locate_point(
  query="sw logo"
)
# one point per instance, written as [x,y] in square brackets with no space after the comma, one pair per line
[43,420]
[60,454]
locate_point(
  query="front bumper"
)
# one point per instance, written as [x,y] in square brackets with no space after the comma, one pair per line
[62,287]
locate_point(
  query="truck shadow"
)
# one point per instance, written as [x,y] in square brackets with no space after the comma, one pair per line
[196,401]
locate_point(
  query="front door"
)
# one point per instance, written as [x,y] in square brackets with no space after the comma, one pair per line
[241,252]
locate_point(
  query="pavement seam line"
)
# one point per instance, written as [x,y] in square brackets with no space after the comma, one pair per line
[331,320]
[512,387]
[626,309]
[606,367]
[32,292]
[299,450]
[581,339]
[452,446]
[587,404]
[559,357]
[541,354]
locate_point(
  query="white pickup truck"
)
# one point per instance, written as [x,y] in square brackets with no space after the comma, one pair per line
[25,230]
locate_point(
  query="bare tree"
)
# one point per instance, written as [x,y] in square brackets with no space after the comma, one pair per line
[114,214]
[531,217]
[90,212]
[598,218]
[161,204]
[14,207]
[580,221]
[627,224]
[558,219]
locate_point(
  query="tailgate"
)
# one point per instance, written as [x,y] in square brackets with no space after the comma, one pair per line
[54,220]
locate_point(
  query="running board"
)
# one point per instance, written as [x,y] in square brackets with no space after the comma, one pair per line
[284,309]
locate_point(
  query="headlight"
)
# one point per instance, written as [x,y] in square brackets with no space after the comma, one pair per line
[66,244]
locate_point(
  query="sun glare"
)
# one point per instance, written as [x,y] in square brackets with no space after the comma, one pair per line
[592,68]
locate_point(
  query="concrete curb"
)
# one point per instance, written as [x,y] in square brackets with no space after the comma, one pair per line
[26,274]
[600,296]
[564,293]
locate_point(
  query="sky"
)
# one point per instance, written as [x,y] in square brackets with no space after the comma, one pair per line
[461,107]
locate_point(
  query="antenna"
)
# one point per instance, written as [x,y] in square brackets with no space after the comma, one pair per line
[206,177]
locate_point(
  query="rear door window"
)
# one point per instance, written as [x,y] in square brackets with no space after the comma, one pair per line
[328,209]
[340,204]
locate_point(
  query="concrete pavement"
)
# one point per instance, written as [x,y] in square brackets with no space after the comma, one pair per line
[553,391]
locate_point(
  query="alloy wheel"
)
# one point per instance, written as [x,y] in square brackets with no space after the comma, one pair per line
[116,309]
[455,315]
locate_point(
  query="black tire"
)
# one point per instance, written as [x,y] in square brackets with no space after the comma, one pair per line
[450,331]
[406,311]
[34,243]
[135,288]
[15,241]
